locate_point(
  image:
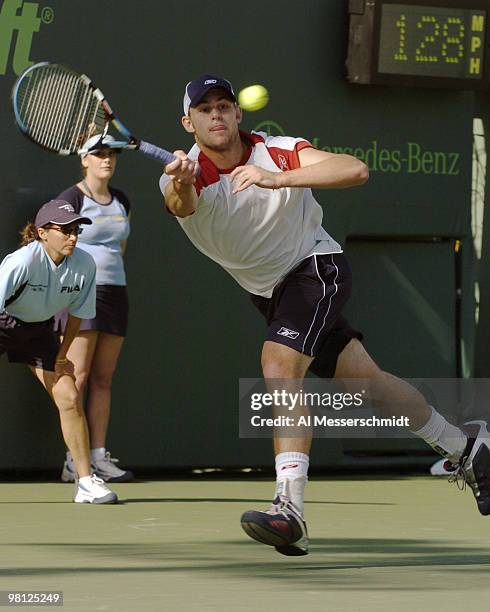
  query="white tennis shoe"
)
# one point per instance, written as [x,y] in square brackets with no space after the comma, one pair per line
[104,468]
[92,490]
[107,469]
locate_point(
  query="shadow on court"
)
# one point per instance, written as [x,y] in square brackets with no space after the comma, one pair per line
[192,558]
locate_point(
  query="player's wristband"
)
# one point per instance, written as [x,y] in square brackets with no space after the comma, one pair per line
[61,361]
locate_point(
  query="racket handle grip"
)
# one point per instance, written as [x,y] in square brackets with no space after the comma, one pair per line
[156,153]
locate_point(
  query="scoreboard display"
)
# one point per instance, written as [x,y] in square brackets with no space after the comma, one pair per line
[437,43]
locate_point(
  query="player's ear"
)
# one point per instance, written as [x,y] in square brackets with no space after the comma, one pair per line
[187,123]
[239,114]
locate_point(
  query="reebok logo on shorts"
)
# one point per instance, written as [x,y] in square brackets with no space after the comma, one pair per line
[289,333]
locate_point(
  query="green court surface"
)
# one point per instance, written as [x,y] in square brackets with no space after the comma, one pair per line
[407,544]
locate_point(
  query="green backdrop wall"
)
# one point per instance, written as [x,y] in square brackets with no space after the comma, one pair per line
[193,332]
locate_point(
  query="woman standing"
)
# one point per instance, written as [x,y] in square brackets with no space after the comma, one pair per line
[95,349]
[46,274]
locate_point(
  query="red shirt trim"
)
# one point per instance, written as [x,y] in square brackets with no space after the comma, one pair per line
[283,158]
[286,159]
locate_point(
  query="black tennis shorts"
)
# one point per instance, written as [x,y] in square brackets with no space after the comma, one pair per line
[304,311]
[112,312]
[35,344]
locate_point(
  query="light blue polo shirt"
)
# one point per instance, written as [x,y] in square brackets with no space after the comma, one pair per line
[48,288]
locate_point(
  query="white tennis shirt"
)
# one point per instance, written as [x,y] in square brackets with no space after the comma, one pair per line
[47,288]
[257,235]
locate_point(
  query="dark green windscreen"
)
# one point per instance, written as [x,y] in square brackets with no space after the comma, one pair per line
[193,332]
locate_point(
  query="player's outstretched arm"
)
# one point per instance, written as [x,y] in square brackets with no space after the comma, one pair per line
[323,170]
[319,170]
[180,194]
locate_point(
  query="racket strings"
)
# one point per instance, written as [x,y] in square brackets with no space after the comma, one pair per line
[61,108]
[58,109]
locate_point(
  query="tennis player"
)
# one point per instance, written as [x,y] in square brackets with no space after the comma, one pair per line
[252,211]
[96,348]
[46,274]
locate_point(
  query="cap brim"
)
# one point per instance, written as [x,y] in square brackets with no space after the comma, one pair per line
[193,103]
[75,219]
[92,151]
[116,149]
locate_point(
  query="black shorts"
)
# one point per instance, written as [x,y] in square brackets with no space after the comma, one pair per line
[112,312]
[304,311]
[35,343]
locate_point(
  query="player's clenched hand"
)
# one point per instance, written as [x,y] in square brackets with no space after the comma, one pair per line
[182,169]
[244,176]
[66,368]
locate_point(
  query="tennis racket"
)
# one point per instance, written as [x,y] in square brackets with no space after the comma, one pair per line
[59,109]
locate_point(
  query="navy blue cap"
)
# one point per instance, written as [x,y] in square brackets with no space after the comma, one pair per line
[196,90]
[59,212]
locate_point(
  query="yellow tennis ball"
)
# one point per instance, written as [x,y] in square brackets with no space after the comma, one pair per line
[253,98]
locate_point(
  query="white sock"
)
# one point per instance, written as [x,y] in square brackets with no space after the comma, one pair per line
[446,439]
[86,481]
[292,476]
[98,453]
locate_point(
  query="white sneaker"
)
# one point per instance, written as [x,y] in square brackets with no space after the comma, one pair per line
[68,473]
[107,469]
[94,492]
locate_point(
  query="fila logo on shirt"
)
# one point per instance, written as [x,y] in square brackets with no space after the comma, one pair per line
[283,162]
[66,289]
[289,333]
